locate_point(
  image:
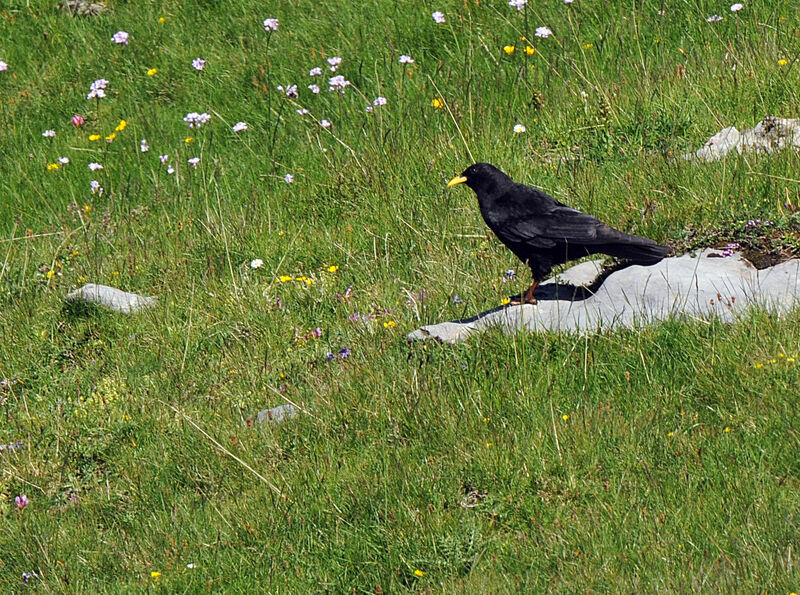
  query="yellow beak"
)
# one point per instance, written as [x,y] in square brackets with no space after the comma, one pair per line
[456,180]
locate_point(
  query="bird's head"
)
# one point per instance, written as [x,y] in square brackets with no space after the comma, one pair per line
[485,179]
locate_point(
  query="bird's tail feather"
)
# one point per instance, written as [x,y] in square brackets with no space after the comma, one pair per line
[645,253]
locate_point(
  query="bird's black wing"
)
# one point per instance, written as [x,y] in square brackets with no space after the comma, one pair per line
[558,224]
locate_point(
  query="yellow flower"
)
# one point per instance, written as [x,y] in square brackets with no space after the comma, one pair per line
[308,281]
[669,434]
[161,20]
[419,572]
[285,278]
[437,103]
[727,430]
[111,136]
[333,268]
[530,50]
[50,274]
[758,365]
[87,208]
[52,166]
[782,62]
[588,46]
[121,126]
[389,324]
[505,301]
[188,139]
[94,137]
[152,71]
[509,49]
[488,445]
[565,417]
[155,574]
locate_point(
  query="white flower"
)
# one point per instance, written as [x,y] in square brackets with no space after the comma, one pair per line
[290,91]
[438,16]
[714,18]
[3,66]
[568,1]
[256,263]
[379,101]
[370,109]
[270,24]
[316,71]
[406,59]
[334,62]
[97,89]
[302,111]
[143,146]
[163,158]
[338,83]
[736,7]
[170,170]
[198,64]
[193,161]
[314,89]
[120,37]
[324,123]
[195,120]
[288,178]
[49,133]
[95,166]
[543,32]
[96,187]
[63,160]
[518,4]
[519,128]
[191,565]
[240,126]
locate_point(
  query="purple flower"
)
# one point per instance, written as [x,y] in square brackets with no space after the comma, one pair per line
[325,123]
[240,126]
[314,89]
[438,16]
[379,101]
[289,178]
[290,91]
[338,83]
[510,274]
[270,24]
[344,352]
[26,576]
[163,158]
[518,4]
[195,120]
[3,66]
[316,333]
[97,89]
[21,501]
[193,161]
[143,146]
[96,187]
[95,166]
[120,37]
[457,300]
[543,32]
[406,59]
[49,133]
[198,64]
[334,62]
[329,357]
[317,71]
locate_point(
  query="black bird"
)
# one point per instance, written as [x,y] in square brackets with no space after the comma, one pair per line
[543,232]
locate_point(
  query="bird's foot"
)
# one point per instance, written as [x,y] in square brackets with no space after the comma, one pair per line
[522,299]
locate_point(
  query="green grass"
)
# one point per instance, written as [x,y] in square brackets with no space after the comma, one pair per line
[657,458]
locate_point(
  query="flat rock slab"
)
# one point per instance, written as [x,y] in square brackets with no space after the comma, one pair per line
[700,285]
[277,414]
[110,297]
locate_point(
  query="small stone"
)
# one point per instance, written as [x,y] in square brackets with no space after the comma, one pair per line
[110,297]
[277,414]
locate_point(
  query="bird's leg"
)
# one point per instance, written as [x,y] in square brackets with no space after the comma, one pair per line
[528,297]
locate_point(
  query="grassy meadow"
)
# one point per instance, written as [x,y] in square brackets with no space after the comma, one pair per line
[291,258]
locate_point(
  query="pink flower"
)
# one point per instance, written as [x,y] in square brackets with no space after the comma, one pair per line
[21,501]
[270,24]
[78,121]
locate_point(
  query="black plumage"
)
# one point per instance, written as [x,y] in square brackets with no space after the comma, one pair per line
[543,232]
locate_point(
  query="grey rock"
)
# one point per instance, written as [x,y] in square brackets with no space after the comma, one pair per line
[277,414]
[83,8]
[703,285]
[771,134]
[110,297]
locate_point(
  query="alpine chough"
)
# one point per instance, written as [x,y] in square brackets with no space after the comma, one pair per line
[543,232]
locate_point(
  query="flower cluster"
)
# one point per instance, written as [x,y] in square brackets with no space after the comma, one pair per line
[120,37]
[195,120]
[338,83]
[97,89]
